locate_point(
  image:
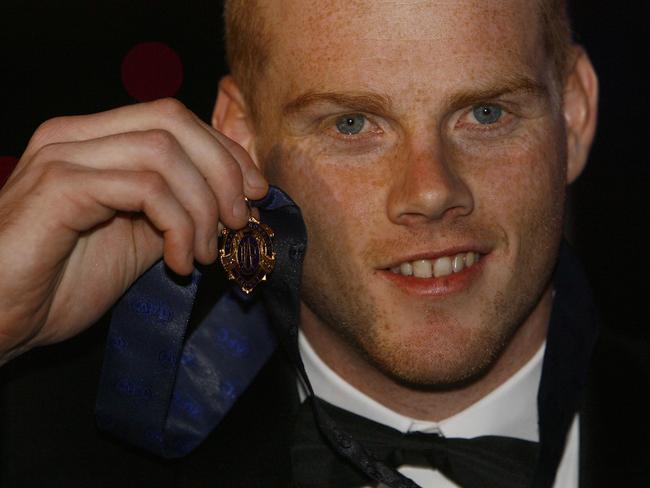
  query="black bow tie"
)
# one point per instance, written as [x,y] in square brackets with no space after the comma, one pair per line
[482,462]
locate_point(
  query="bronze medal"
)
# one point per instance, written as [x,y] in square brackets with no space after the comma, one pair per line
[247,254]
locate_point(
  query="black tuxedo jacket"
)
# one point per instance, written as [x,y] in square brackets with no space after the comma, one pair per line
[49,438]
[48,435]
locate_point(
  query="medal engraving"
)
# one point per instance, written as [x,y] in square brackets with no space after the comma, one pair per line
[247,254]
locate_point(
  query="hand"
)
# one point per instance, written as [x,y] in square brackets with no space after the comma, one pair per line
[95,200]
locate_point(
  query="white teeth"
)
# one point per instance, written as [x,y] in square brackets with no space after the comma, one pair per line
[444,266]
[406,269]
[422,268]
[458,262]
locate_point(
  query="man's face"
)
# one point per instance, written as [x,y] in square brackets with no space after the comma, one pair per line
[413,134]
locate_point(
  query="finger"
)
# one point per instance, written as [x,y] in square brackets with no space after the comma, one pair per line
[157,151]
[220,168]
[255,184]
[87,198]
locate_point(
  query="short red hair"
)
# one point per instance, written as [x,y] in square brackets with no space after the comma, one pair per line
[248,42]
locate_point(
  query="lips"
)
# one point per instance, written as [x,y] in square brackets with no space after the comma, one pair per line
[436,274]
[442,266]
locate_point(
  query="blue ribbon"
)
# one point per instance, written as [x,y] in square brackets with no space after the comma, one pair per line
[164,389]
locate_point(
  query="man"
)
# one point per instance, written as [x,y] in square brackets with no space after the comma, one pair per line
[428,145]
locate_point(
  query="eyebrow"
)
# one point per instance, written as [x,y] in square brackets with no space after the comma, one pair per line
[514,85]
[359,101]
[380,104]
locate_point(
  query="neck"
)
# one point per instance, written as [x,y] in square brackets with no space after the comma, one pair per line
[428,404]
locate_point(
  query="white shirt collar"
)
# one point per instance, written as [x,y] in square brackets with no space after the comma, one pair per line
[517,396]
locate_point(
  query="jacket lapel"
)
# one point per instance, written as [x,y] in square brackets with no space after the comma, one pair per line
[614,424]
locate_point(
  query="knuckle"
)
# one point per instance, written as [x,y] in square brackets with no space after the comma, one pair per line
[160,141]
[48,131]
[54,173]
[232,171]
[240,153]
[152,183]
[170,107]
[46,153]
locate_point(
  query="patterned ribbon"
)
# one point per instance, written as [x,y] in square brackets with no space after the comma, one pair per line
[164,388]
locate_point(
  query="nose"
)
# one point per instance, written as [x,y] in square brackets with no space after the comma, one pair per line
[427,187]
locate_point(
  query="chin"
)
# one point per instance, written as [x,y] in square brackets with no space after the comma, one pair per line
[439,352]
[434,356]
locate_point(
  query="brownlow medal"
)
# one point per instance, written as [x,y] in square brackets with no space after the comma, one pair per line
[247,254]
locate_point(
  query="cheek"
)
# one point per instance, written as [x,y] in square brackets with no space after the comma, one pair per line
[333,195]
[519,182]
[333,200]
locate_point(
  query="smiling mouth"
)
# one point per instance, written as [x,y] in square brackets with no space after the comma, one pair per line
[437,268]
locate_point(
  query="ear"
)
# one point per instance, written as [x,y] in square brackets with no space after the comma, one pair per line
[231,117]
[580,112]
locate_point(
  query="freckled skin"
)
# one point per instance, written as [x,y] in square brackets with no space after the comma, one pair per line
[424,182]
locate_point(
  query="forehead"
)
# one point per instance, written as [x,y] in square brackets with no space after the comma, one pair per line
[317,44]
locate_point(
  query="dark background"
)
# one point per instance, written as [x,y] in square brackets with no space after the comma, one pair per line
[65,58]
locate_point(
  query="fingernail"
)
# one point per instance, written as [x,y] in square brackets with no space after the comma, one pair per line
[239,208]
[255,179]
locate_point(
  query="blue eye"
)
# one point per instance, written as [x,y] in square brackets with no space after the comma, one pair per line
[350,124]
[487,114]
